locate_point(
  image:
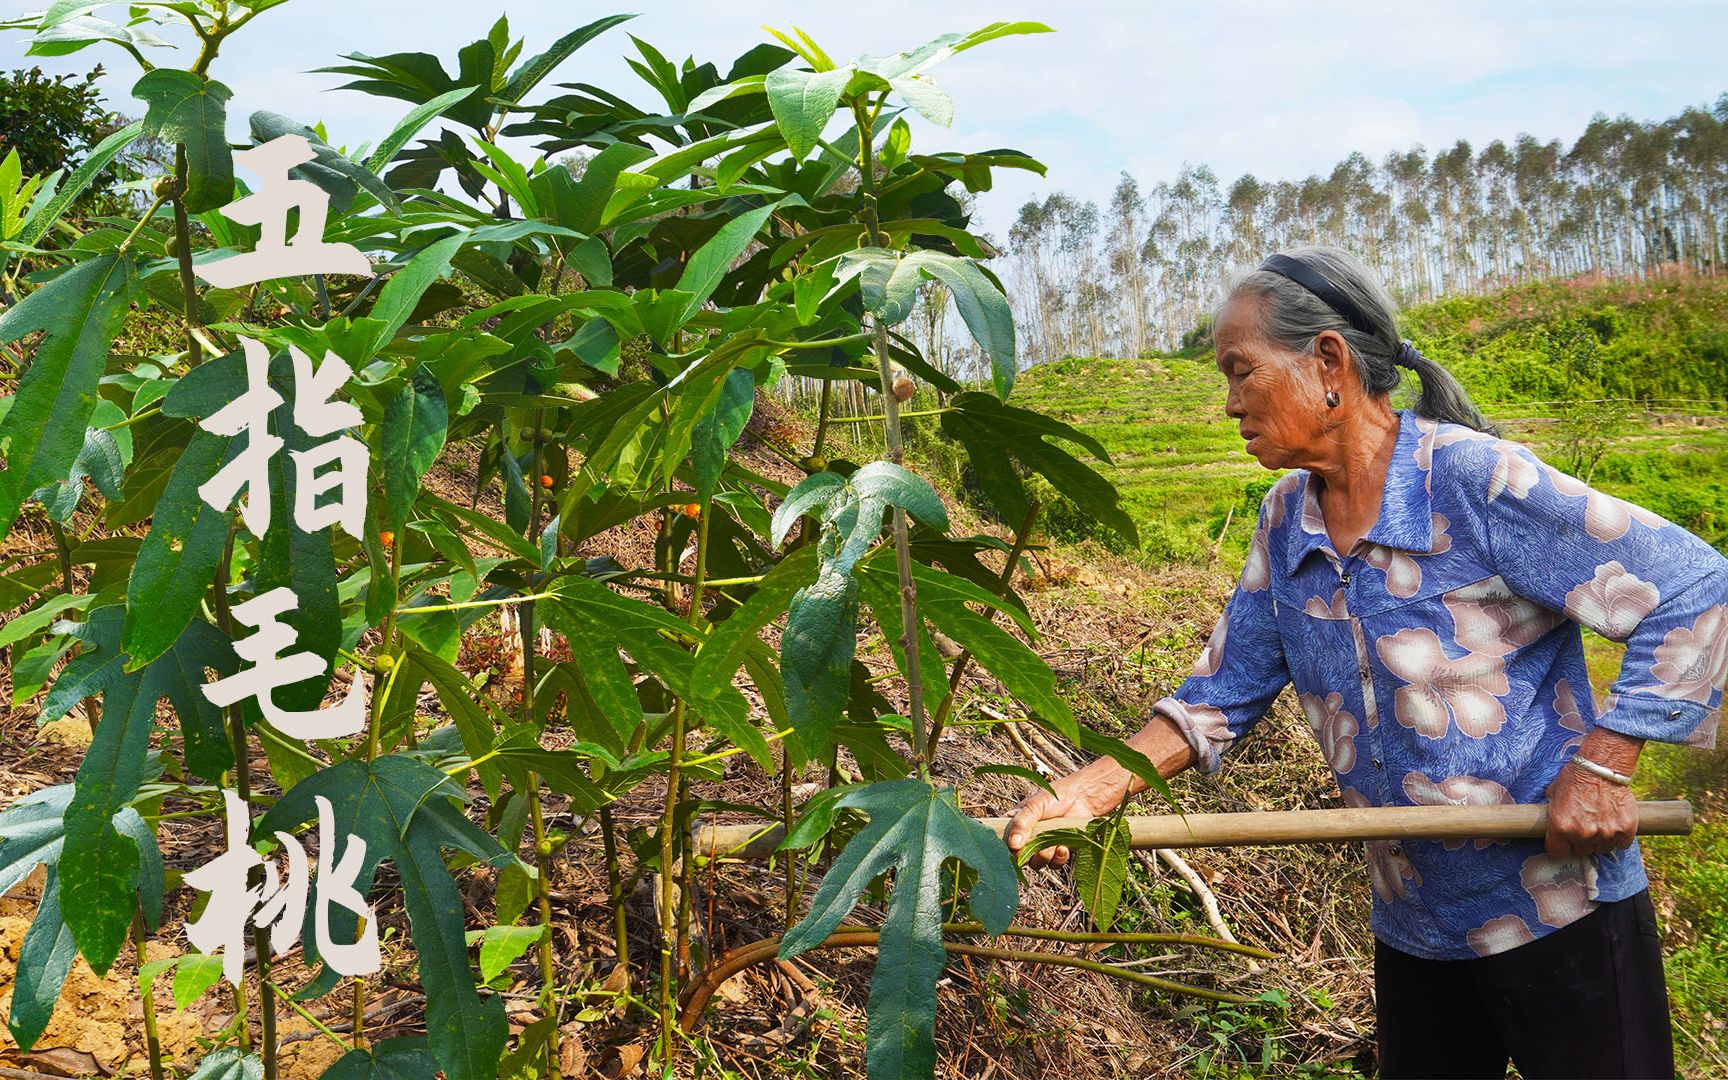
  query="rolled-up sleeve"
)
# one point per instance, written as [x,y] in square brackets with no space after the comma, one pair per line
[1624,572]
[1242,670]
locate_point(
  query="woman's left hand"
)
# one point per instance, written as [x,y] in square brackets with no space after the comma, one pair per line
[1589,815]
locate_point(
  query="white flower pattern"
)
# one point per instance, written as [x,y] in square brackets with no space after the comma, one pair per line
[1613,602]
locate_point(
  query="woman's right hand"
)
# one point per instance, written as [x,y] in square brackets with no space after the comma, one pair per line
[1076,795]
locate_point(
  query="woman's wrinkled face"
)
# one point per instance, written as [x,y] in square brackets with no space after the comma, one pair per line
[1275,396]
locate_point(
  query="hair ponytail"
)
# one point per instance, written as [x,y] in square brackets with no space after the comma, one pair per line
[1442,396]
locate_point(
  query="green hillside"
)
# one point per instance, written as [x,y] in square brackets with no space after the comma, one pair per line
[1650,359]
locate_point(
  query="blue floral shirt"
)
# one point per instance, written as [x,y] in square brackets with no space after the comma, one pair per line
[1440,662]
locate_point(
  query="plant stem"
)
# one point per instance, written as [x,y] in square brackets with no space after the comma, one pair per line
[309,1018]
[543,890]
[786,817]
[896,453]
[668,886]
[615,887]
[152,1042]
[138,228]
[375,722]
[542,848]
[242,766]
[183,242]
[359,1024]
[858,937]
[686,862]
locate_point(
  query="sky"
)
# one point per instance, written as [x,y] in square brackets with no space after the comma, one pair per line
[1281,90]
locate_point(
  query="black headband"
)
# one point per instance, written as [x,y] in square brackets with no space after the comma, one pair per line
[1312,280]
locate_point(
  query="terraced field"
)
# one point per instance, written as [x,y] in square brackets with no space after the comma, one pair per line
[1181,468]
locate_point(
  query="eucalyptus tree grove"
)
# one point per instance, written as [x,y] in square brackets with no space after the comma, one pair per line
[1626,198]
[596,338]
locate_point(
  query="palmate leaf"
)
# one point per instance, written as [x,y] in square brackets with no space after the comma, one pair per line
[599,621]
[32,834]
[401,808]
[79,312]
[392,1059]
[993,432]
[534,69]
[330,169]
[191,110]
[914,829]
[229,1063]
[103,865]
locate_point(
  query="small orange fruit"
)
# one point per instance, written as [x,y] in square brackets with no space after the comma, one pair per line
[387,538]
[545,481]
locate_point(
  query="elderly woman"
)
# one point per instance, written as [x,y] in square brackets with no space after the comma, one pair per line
[1422,583]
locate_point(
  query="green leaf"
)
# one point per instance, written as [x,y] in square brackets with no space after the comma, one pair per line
[913,830]
[101,867]
[410,125]
[719,428]
[703,273]
[392,1059]
[724,649]
[401,808]
[402,291]
[899,486]
[32,832]
[409,439]
[932,103]
[501,946]
[943,599]
[179,556]
[817,490]
[195,974]
[531,71]
[1020,771]
[816,655]
[984,308]
[190,110]
[330,169]
[42,218]
[229,1064]
[44,960]
[1101,868]
[803,102]
[79,313]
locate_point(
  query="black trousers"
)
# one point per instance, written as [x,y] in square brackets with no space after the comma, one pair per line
[1587,1000]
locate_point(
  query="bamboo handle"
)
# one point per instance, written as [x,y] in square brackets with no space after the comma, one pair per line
[1503,822]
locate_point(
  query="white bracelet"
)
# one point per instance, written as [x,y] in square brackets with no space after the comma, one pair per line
[1601,770]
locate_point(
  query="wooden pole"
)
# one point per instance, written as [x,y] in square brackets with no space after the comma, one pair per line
[1263,828]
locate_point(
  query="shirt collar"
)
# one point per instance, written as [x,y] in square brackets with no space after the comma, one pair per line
[1405,521]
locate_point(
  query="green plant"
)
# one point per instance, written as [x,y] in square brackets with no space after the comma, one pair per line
[601,351]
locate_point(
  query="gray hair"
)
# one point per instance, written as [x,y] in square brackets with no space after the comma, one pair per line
[1293,317]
